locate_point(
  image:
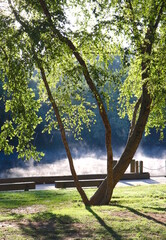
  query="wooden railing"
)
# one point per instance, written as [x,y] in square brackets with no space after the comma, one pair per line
[136,172]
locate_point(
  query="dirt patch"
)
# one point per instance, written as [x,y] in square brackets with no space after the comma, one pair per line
[121,214]
[158,217]
[8,224]
[29,210]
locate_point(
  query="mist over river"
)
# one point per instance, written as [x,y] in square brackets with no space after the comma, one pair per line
[88,163]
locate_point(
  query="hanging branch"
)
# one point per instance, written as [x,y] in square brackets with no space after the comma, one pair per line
[56,111]
[159,15]
[133,122]
[135,29]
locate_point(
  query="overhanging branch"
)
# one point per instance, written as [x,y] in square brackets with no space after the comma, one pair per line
[82,63]
[55,108]
[159,15]
[133,122]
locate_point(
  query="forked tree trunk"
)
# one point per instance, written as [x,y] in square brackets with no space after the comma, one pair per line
[104,192]
[129,151]
[138,128]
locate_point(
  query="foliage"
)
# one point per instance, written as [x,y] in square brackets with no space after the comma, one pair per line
[22,45]
[20,100]
[38,36]
[138,19]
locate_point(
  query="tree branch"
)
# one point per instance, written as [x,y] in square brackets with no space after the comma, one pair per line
[56,111]
[18,18]
[159,15]
[63,135]
[133,122]
[3,50]
[151,31]
[134,30]
[97,96]
[81,61]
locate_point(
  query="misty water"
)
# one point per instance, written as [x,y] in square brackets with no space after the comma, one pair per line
[87,163]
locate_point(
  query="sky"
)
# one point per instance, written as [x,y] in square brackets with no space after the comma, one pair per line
[4,6]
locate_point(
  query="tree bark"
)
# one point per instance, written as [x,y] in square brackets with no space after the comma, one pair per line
[135,135]
[63,135]
[108,192]
[130,149]
[135,138]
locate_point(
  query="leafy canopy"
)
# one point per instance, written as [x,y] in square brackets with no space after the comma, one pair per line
[104,30]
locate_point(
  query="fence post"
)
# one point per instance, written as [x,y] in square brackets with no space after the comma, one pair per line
[132,166]
[141,166]
[137,167]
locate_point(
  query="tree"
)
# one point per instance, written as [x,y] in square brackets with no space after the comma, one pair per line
[70,60]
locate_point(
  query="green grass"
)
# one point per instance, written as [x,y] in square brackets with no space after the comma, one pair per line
[134,213]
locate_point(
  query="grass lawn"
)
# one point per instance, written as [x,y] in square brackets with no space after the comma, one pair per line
[134,213]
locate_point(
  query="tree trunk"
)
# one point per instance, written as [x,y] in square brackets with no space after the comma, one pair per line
[108,192]
[137,129]
[56,110]
[129,151]
[63,135]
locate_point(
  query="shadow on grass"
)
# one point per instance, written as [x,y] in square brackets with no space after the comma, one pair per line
[160,209]
[114,234]
[49,226]
[136,212]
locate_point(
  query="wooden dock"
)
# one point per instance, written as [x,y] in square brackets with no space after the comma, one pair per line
[12,186]
[23,183]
